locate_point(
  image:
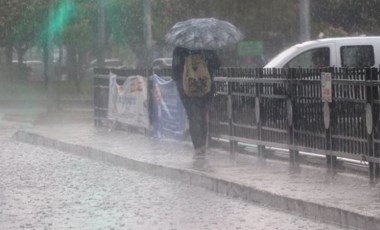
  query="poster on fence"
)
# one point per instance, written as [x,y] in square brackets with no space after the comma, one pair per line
[168,116]
[128,103]
[326,87]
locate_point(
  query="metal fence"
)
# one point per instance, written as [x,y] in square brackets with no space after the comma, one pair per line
[284,108]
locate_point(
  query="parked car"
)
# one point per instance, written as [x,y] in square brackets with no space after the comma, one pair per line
[35,69]
[162,63]
[112,62]
[108,63]
[330,52]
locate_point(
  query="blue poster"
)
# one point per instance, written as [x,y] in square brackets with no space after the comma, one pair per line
[169,118]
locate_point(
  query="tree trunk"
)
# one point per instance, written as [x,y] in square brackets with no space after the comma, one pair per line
[71,62]
[22,71]
[46,63]
[2,57]
[81,63]
[20,53]
[3,66]
[8,55]
[72,65]
[59,70]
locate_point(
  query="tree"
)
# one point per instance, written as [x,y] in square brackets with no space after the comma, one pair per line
[350,16]
[19,21]
[78,35]
[273,21]
[125,22]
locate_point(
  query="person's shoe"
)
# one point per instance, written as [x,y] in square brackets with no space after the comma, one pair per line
[200,153]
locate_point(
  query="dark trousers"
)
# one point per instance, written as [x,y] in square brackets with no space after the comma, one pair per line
[197,109]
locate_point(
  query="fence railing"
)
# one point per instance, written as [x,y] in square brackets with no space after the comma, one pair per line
[284,108]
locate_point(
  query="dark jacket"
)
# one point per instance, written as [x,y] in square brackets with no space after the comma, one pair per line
[178,63]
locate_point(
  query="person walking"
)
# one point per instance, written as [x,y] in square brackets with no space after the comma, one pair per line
[193,72]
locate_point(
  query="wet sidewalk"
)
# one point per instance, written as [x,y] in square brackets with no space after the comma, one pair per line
[346,200]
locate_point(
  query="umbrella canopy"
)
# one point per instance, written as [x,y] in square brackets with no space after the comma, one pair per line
[203,33]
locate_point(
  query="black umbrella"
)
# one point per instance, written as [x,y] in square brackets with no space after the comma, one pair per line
[203,33]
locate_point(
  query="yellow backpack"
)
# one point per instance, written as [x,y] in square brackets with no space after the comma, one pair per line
[196,77]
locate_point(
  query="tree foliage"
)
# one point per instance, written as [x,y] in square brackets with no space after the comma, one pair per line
[256,18]
[125,21]
[20,22]
[26,23]
[350,16]
[80,28]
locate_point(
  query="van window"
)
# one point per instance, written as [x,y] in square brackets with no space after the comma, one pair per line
[314,58]
[357,56]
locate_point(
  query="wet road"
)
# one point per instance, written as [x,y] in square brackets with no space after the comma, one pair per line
[47,189]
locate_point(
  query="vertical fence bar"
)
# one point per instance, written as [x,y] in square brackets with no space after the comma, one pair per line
[375,117]
[259,85]
[331,161]
[293,154]
[372,167]
[231,133]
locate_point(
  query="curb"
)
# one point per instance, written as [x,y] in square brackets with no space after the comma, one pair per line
[303,208]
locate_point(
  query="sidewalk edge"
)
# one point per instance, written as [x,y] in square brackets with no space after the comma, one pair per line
[303,208]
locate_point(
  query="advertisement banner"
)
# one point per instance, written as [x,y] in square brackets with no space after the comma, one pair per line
[128,103]
[326,82]
[169,118]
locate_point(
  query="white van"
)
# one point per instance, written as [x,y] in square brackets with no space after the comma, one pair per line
[330,52]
